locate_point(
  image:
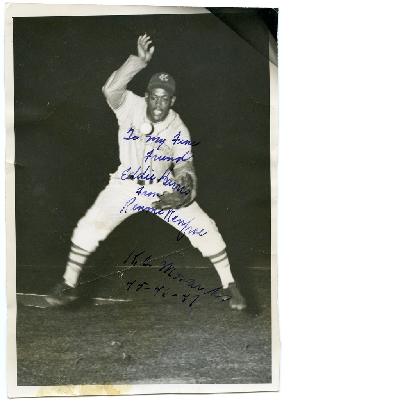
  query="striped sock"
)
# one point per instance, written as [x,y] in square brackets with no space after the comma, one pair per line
[76,259]
[221,264]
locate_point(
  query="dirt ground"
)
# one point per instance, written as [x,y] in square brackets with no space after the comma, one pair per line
[148,338]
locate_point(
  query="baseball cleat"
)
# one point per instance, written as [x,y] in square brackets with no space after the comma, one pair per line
[60,295]
[237,301]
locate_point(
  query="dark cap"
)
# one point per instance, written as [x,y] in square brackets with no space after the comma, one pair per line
[162,80]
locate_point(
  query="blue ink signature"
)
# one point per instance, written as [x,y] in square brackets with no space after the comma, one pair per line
[169,182]
[158,290]
[154,139]
[150,154]
[145,176]
[127,175]
[186,228]
[170,268]
[145,193]
[177,140]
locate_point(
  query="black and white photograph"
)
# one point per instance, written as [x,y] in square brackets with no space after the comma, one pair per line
[142,248]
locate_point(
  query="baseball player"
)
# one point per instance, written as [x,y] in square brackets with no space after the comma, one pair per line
[156,175]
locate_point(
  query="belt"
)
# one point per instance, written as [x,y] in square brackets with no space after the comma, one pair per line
[142,182]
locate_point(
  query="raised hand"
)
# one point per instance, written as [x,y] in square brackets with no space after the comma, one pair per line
[144,52]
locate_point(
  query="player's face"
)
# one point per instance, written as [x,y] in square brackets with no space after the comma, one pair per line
[159,101]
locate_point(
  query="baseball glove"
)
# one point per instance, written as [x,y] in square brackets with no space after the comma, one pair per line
[183,192]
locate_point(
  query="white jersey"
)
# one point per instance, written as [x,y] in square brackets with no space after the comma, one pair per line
[156,152]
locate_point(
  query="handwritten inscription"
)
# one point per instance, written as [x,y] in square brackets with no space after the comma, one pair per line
[185,227]
[147,175]
[170,270]
[177,140]
[147,193]
[167,181]
[152,156]
[157,140]
[146,139]
[162,291]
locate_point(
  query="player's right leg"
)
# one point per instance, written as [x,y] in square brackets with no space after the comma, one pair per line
[212,246]
[99,221]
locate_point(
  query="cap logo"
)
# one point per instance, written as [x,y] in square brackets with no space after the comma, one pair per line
[163,77]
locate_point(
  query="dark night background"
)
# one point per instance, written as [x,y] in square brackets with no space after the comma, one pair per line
[66,135]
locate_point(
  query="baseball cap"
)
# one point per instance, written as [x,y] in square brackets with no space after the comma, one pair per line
[162,80]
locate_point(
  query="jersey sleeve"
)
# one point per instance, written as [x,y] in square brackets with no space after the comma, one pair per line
[115,88]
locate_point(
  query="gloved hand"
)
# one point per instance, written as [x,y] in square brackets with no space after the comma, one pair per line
[182,195]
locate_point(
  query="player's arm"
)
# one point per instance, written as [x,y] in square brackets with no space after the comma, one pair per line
[115,87]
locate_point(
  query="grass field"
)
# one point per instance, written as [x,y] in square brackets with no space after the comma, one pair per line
[146,337]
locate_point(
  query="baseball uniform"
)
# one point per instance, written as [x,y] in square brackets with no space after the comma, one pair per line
[154,156]
[134,148]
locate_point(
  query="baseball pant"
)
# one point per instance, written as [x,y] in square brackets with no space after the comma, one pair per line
[115,203]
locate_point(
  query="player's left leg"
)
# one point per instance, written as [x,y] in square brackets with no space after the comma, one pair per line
[107,212]
[203,234]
